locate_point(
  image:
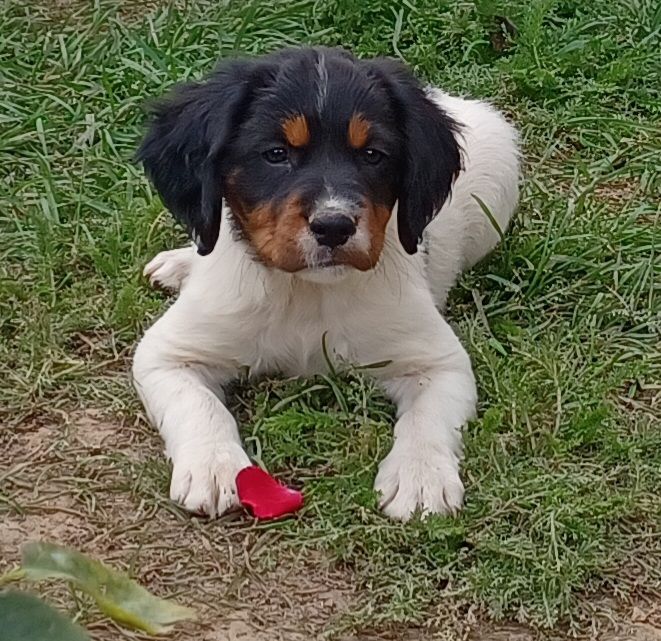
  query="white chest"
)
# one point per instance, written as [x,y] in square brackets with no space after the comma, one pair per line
[268,321]
[297,338]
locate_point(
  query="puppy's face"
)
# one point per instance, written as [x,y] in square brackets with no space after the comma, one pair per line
[311,175]
[310,148]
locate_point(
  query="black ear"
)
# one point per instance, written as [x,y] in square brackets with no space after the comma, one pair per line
[183,147]
[431,153]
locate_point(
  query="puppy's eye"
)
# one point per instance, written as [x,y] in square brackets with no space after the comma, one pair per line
[276,155]
[372,156]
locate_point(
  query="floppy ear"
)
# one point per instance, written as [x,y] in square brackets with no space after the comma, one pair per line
[431,153]
[183,148]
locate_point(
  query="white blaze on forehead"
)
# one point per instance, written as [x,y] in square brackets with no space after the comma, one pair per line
[322,83]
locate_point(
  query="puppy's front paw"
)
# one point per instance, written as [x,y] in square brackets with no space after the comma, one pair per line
[425,478]
[204,482]
[169,269]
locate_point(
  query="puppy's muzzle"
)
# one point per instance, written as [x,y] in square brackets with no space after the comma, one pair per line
[332,230]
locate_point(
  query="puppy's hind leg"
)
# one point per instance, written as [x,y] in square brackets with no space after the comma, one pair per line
[170,269]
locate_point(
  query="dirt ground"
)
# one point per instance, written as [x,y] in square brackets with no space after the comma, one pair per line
[101,486]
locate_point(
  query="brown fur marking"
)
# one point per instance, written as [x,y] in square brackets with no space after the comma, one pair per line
[273,231]
[274,228]
[359,129]
[296,130]
[376,219]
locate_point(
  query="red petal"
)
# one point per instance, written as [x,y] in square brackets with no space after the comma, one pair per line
[264,496]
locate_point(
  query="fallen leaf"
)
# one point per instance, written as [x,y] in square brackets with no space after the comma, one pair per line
[118,596]
[264,496]
[24,617]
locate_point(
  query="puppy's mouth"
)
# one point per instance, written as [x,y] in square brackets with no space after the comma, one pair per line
[326,272]
[332,261]
[324,258]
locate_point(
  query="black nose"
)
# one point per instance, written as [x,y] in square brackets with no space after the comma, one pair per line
[332,231]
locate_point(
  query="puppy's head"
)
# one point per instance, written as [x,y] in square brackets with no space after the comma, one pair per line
[310,148]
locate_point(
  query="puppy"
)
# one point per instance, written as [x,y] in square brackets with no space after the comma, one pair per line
[316,187]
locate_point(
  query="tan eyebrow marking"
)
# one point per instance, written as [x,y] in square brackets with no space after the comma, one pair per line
[296,130]
[359,129]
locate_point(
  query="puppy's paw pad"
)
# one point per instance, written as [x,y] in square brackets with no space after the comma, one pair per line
[408,480]
[205,482]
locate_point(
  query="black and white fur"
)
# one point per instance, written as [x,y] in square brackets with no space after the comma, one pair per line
[234,311]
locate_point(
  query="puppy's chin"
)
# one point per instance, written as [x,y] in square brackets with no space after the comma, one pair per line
[324,275]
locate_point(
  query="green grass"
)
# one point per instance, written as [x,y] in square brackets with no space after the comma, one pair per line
[562,323]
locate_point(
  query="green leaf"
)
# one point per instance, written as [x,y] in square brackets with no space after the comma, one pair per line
[13,575]
[24,617]
[118,596]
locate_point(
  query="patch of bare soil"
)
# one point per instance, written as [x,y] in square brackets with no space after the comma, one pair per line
[101,486]
[617,192]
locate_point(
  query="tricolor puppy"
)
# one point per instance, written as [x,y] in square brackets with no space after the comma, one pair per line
[326,195]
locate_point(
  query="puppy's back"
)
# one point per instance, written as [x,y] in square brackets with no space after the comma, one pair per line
[462,233]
